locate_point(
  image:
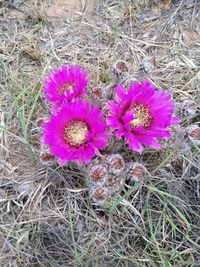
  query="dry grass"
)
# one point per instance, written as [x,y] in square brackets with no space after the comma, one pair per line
[47,217]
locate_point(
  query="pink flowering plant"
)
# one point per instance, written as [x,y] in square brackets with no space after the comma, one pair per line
[141,115]
[65,84]
[77,130]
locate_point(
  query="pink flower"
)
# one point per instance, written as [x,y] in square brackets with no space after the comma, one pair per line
[141,115]
[76,132]
[65,84]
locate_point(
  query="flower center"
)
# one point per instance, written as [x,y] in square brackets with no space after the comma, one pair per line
[141,116]
[66,87]
[75,133]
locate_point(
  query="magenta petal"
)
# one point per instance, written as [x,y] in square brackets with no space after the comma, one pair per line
[87,155]
[128,117]
[62,162]
[159,133]
[135,145]
[175,120]
[150,142]
[120,93]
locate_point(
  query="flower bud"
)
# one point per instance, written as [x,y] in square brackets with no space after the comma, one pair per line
[46,158]
[136,172]
[99,195]
[119,71]
[115,183]
[40,121]
[116,163]
[98,175]
[187,109]
[146,67]
[193,133]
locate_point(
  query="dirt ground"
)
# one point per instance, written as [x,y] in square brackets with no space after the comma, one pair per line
[47,218]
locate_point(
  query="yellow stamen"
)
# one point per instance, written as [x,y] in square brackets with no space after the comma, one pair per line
[66,87]
[141,116]
[75,133]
